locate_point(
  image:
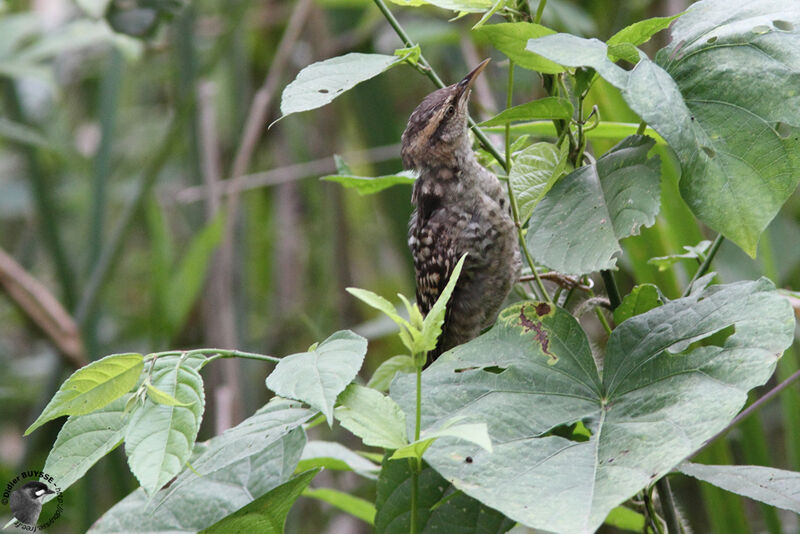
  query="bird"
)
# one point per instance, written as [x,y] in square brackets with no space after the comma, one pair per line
[459,207]
[26,502]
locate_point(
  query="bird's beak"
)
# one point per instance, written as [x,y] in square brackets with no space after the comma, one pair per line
[465,84]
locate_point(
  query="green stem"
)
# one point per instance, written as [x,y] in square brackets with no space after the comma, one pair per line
[668,506]
[417,464]
[418,420]
[430,73]
[539,11]
[217,354]
[706,263]
[651,513]
[641,129]
[603,320]
[611,288]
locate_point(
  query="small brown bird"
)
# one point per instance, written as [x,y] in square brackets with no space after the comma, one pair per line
[460,208]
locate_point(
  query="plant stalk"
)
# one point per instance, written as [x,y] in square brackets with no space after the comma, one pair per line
[611,288]
[539,11]
[706,263]
[417,463]
[668,506]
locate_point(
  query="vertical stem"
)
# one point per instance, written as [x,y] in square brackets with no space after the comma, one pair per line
[539,11]
[612,289]
[706,263]
[417,465]
[668,506]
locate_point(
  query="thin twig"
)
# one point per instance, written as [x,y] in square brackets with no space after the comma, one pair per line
[36,301]
[749,410]
[281,175]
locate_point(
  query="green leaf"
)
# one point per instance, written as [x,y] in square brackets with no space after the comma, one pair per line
[355,506]
[551,107]
[409,53]
[625,519]
[473,432]
[372,416]
[160,436]
[661,396]
[534,172]
[162,397]
[379,303]
[734,111]
[462,6]
[189,278]
[440,507]
[368,186]
[640,32]
[432,325]
[577,226]
[317,377]
[604,130]
[383,375]
[642,298]
[332,455]
[321,82]
[776,487]
[511,37]
[267,514]
[232,469]
[83,440]
[92,387]
[697,252]
[572,51]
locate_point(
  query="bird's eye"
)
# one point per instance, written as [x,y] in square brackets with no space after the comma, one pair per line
[450,110]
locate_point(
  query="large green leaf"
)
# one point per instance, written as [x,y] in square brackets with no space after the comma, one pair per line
[458,514]
[92,387]
[660,397]
[318,376]
[321,82]
[160,436]
[230,471]
[83,440]
[577,226]
[267,514]
[727,103]
[776,487]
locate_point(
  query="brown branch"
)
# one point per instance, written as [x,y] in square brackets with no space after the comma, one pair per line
[34,299]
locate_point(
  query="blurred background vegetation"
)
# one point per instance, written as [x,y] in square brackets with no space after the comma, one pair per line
[141,190]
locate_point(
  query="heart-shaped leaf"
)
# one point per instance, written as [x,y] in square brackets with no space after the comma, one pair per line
[577,226]
[660,396]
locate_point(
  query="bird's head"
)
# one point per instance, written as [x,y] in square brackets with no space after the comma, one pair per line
[437,130]
[35,490]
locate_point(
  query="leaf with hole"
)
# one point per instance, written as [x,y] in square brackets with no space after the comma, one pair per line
[320,83]
[92,387]
[660,397]
[576,227]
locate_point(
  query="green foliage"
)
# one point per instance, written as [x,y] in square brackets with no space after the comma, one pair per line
[538,361]
[383,375]
[535,171]
[641,299]
[370,186]
[92,387]
[268,513]
[355,506]
[551,107]
[319,375]
[373,417]
[597,205]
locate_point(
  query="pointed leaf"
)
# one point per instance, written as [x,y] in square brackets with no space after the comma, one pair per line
[383,375]
[511,37]
[368,186]
[92,387]
[83,440]
[641,31]
[594,207]
[432,325]
[642,298]
[267,514]
[372,416]
[550,107]
[317,377]
[160,436]
[332,455]
[321,82]
[473,432]
[349,504]
[533,376]
[776,487]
